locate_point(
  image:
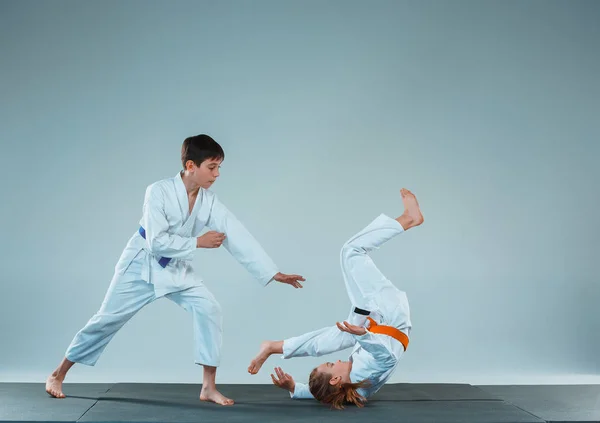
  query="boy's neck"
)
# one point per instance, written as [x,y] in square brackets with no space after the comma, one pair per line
[191,188]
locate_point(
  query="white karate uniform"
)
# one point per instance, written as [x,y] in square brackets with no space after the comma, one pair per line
[139,278]
[375,356]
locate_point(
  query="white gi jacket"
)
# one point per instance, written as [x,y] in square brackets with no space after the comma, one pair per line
[171,232]
[375,356]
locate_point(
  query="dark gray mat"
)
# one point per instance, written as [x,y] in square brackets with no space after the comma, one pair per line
[553,403]
[30,402]
[268,393]
[168,410]
[447,412]
[416,403]
[431,392]
[178,403]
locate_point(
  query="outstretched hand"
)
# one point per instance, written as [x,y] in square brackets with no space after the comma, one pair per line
[353,329]
[289,279]
[283,380]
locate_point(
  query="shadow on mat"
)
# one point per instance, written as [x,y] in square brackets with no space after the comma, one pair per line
[270,404]
[142,401]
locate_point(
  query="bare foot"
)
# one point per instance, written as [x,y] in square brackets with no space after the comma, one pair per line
[412,212]
[212,395]
[54,386]
[261,357]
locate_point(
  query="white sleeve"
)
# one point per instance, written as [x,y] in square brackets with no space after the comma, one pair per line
[301,391]
[154,221]
[317,343]
[374,345]
[241,244]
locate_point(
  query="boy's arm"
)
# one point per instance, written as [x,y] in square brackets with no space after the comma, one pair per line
[245,248]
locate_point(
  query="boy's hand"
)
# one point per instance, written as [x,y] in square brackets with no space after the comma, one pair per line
[211,239]
[289,279]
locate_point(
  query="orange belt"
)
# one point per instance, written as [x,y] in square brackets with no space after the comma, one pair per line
[390,331]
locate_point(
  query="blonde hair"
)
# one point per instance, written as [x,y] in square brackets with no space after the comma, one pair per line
[335,395]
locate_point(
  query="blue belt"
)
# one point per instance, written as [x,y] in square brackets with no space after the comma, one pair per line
[163,261]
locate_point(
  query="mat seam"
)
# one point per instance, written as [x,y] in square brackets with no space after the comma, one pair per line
[92,406]
[528,412]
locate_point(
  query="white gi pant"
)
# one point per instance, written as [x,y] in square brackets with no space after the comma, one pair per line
[368,289]
[126,295]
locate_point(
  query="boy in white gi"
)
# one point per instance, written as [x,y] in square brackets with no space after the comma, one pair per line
[378,327]
[157,262]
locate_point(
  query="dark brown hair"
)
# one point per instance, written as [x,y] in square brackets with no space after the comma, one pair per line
[199,148]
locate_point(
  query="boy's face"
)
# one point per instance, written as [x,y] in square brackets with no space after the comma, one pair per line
[205,174]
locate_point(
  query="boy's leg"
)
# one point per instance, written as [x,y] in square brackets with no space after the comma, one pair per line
[207,322]
[122,301]
[55,380]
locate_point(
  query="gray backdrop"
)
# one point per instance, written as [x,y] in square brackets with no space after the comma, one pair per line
[488,111]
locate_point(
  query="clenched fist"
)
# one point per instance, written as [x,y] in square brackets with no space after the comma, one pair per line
[211,239]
